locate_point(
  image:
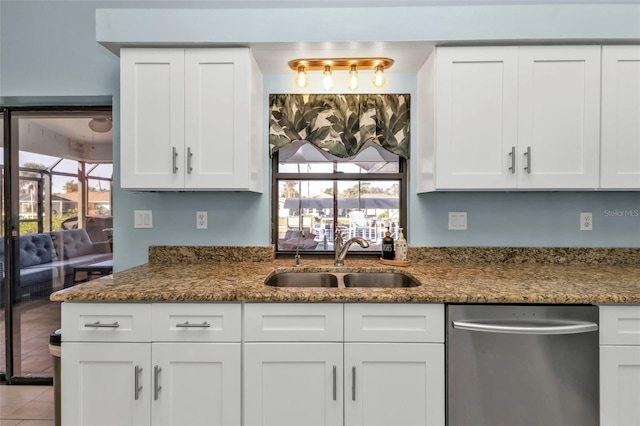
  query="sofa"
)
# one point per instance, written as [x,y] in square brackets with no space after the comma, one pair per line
[49,258]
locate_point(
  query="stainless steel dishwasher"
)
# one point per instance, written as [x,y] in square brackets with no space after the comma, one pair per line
[515,365]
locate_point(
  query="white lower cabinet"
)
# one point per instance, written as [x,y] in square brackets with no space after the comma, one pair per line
[394,384]
[293,384]
[196,384]
[620,365]
[106,384]
[368,377]
[183,368]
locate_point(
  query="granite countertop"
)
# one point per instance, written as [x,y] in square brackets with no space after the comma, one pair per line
[507,280]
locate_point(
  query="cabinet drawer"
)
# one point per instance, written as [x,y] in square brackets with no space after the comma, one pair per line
[394,322]
[285,322]
[106,322]
[620,325]
[196,322]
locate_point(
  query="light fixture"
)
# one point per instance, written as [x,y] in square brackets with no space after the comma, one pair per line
[328,65]
[353,77]
[302,79]
[378,76]
[100,124]
[327,80]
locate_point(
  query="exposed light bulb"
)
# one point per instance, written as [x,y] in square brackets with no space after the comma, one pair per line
[327,81]
[353,78]
[378,76]
[302,79]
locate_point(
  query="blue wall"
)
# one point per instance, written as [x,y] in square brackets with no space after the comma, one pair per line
[49,49]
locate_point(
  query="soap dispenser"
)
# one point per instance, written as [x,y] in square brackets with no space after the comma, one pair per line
[401,247]
[388,252]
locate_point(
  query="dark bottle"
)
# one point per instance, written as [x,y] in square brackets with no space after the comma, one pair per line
[388,251]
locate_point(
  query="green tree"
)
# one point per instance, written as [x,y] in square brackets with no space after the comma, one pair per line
[289,189]
[71,186]
[25,184]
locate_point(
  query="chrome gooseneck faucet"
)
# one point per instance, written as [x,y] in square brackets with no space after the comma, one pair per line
[341,248]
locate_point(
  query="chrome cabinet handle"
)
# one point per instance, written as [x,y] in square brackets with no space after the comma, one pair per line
[528,155]
[187,325]
[175,156]
[512,154]
[335,384]
[544,328]
[136,382]
[353,383]
[97,324]
[156,384]
[189,155]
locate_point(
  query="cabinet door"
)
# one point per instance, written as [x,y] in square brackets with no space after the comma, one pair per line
[152,118]
[196,384]
[394,384]
[100,379]
[558,117]
[620,161]
[293,384]
[619,385]
[217,124]
[476,117]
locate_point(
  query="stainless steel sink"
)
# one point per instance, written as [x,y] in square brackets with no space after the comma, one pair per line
[379,280]
[303,279]
[341,280]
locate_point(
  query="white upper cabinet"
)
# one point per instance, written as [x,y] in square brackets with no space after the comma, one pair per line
[559,117]
[620,152]
[476,114]
[191,119]
[509,118]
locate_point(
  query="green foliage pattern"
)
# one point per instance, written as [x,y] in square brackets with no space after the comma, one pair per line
[340,124]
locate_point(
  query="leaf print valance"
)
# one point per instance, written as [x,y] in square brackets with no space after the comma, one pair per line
[340,124]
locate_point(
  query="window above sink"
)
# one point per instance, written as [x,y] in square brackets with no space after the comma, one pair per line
[339,163]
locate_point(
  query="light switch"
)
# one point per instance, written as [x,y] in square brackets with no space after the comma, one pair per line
[457,221]
[143,219]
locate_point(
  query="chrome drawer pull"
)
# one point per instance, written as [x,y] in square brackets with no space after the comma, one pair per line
[189,155]
[156,380]
[512,154]
[187,325]
[528,155]
[353,384]
[335,383]
[174,155]
[136,382]
[97,324]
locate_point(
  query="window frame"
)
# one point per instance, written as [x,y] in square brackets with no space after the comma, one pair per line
[401,176]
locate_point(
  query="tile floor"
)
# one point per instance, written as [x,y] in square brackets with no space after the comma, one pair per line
[33,322]
[26,405]
[29,405]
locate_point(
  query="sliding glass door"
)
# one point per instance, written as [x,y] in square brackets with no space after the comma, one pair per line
[57,174]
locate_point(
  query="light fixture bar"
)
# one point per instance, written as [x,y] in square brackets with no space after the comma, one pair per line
[339,64]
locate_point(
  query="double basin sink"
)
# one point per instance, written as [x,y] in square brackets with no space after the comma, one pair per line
[339,280]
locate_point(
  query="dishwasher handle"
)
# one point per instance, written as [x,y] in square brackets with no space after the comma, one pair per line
[513,327]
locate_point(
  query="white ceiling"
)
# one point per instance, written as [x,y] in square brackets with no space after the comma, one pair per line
[74,128]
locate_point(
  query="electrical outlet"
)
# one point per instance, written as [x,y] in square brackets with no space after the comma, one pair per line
[201,220]
[457,221]
[586,221]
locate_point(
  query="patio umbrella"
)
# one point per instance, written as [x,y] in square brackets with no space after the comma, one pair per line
[369,201]
[309,203]
[378,201]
